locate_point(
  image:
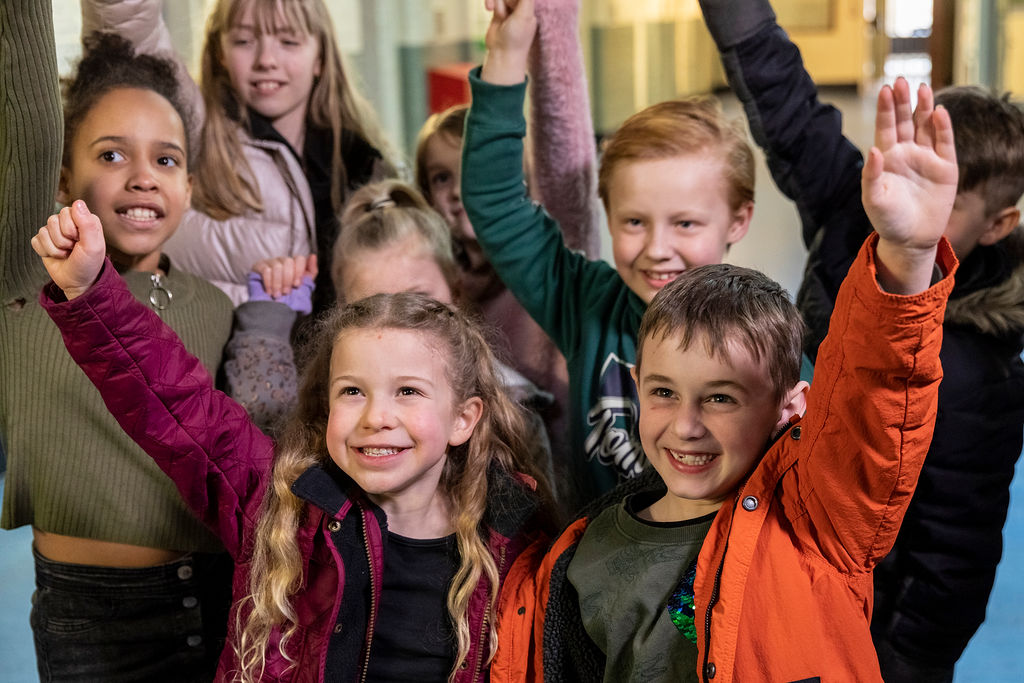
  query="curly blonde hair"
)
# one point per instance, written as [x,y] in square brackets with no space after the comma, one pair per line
[224,184]
[499,440]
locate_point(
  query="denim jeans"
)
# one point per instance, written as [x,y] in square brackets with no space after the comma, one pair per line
[163,623]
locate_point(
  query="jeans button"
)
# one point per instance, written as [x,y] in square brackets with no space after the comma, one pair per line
[185,572]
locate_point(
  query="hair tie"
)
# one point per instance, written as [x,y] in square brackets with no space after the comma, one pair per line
[382,203]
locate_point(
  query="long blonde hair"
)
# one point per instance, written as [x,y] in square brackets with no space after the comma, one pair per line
[499,440]
[225,185]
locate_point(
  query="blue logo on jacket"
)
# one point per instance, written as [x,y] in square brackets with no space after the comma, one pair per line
[613,438]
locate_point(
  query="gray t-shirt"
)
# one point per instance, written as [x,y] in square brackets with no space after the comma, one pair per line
[629,574]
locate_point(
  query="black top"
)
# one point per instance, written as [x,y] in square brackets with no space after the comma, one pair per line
[414,639]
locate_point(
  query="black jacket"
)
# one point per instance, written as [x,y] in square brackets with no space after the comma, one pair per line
[931,591]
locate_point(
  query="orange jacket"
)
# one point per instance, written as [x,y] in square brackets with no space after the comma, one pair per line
[784,587]
[784,584]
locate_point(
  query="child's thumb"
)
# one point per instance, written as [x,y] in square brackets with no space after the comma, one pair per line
[90,230]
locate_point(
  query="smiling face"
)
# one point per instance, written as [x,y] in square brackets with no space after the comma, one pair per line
[128,164]
[405,265]
[667,215]
[273,70]
[393,417]
[705,421]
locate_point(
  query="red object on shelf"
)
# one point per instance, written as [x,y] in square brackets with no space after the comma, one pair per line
[448,85]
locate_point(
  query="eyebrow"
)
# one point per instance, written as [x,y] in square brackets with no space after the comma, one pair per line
[121,140]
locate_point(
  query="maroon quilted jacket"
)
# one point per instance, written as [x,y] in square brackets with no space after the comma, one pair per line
[164,398]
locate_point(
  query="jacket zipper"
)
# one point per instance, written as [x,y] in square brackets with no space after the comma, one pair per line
[483,626]
[373,599]
[707,615]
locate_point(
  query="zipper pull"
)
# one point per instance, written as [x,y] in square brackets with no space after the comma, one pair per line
[159,296]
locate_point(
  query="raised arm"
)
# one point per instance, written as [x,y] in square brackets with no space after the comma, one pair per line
[809,158]
[561,139]
[161,395]
[31,140]
[872,408]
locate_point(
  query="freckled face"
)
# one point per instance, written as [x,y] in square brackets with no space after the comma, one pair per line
[668,215]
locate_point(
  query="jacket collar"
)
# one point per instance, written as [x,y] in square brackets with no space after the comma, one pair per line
[989,292]
[324,486]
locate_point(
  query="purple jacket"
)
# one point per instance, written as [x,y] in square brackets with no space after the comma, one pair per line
[164,398]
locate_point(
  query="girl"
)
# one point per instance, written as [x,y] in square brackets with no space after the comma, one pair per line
[130,585]
[387,228]
[403,447]
[286,135]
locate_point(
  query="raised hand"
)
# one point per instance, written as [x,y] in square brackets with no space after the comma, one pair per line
[909,184]
[509,37]
[72,247]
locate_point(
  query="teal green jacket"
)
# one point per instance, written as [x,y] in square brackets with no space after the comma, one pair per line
[585,307]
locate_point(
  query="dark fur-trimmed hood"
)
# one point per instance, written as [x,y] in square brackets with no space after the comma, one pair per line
[997,309]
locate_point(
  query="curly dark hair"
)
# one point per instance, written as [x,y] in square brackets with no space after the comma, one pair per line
[109,63]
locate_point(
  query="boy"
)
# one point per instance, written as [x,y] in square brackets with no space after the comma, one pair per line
[677,185]
[752,558]
[951,541]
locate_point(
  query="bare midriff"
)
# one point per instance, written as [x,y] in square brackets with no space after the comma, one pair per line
[88,551]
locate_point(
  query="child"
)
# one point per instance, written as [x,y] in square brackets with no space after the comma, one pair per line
[130,585]
[286,135]
[395,490]
[387,227]
[751,558]
[950,542]
[677,184]
[561,175]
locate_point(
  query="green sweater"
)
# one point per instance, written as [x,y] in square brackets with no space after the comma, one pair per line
[71,469]
[584,306]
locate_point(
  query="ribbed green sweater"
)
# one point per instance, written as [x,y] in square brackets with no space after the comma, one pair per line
[71,470]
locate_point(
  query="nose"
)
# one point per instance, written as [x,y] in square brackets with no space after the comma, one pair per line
[657,247]
[266,52]
[688,423]
[378,414]
[142,178]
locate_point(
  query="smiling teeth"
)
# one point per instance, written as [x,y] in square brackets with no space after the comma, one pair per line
[694,460]
[140,214]
[663,276]
[267,86]
[379,451]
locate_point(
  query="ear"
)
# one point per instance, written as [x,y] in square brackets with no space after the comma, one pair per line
[464,422]
[794,403]
[62,187]
[636,378]
[740,223]
[1000,226]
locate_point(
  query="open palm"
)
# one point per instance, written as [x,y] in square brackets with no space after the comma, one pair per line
[909,181]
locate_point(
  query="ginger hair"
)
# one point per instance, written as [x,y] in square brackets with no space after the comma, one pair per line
[678,128]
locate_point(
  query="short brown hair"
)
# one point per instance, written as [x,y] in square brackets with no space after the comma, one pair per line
[451,124]
[989,135]
[679,127]
[723,303]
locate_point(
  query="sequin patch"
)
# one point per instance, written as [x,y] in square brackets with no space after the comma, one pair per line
[680,604]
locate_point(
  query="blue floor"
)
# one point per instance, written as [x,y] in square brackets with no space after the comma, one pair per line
[995,655]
